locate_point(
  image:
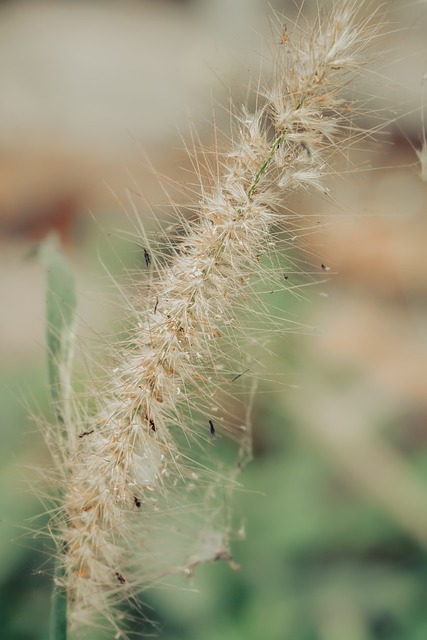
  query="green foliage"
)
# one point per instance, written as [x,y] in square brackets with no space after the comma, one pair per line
[60,309]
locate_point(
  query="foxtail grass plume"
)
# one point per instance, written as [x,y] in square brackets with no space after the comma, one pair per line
[126,459]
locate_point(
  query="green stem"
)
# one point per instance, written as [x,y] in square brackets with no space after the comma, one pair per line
[60,308]
[265,165]
[58,616]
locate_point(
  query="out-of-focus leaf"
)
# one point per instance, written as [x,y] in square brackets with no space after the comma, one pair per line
[60,310]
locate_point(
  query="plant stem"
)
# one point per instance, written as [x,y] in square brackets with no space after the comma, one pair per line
[264,166]
[58,616]
[60,308]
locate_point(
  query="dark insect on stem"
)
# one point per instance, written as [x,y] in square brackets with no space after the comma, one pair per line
[137,502]
[147,258]
[306,149]
[86,433]
[212,429]
[239,375]
[152,425]
[120,577]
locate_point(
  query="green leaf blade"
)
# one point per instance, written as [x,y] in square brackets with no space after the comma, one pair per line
[60,314]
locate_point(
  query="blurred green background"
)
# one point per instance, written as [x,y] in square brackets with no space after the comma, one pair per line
[335,501]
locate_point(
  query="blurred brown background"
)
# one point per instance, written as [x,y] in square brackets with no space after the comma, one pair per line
[336,548]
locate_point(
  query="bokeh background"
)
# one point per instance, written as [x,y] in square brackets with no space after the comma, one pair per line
[335,501]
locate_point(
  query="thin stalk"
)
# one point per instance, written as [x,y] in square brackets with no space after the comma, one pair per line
[60,307]
[58,615]
[265,165]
